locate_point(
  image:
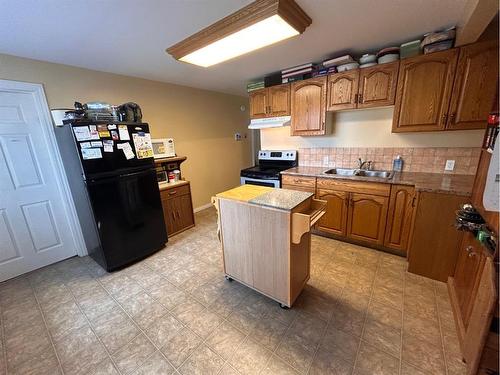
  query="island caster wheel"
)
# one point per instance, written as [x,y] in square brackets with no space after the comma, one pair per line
[284,307]
[228,278]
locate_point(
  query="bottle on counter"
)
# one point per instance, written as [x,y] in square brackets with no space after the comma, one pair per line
[397,164]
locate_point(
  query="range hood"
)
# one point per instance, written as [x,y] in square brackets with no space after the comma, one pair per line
[269,122]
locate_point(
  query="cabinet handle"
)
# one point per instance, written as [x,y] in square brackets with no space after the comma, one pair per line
[470,251]
[452,118]
[413,201]
[360,98]
[443,120]
[172,192]
[356,98]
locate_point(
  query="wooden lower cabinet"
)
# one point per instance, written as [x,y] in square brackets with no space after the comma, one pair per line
[434,243]
[335,219]
[399,217]
[470,262]
[366,217]
[177,208]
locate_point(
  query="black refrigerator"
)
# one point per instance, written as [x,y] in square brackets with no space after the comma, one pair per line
[119,175]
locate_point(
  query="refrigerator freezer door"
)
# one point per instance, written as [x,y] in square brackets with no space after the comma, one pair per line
[113,153]
[129,217]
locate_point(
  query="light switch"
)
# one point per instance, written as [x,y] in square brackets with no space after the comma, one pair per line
[450,165]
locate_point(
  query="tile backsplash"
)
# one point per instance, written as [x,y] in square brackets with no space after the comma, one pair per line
[417,159]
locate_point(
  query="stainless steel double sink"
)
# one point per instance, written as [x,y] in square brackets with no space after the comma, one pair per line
[360,173]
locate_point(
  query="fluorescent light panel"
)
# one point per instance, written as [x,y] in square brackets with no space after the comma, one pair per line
[263,33]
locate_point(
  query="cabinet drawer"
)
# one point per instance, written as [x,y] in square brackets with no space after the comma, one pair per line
[355,186]
[175,191]
[299,181]
[309,189]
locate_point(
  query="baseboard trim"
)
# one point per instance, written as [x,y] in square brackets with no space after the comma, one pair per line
[201,208]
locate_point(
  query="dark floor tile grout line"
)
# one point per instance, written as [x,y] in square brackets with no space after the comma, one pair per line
[46,326]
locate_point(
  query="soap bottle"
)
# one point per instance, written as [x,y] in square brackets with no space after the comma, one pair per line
[397,164]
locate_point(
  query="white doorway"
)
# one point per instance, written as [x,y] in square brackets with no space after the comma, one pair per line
[38,225]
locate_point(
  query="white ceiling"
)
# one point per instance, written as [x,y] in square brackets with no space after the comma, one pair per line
[130,36]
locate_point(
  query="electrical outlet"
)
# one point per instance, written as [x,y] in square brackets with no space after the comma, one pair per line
[237,136]
[450,165]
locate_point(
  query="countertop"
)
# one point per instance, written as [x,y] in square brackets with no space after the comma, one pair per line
[168,185]
[282,199]
[457,184]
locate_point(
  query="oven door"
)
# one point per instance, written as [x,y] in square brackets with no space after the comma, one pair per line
[257,181]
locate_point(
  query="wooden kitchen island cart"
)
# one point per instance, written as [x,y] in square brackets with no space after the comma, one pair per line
[266,238]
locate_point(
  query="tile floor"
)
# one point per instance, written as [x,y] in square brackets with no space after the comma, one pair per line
[361,313]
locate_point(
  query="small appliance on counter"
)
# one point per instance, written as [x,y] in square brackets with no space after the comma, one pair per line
[163,148]
[267,172]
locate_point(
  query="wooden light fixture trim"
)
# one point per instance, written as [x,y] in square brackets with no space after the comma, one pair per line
[257,11]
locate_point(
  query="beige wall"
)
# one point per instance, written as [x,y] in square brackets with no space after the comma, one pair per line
[367,128]
[202,123]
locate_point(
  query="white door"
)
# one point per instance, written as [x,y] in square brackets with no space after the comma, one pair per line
[35,227]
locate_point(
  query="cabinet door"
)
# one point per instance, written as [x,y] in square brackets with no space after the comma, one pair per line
[279,100]
[424,91]
[184,211]
[258,103]
[377,85]
[335,218]
[399,217]
[366,217]
[169,215]
[466,276]
[475,86]
[308,107]
[343,90]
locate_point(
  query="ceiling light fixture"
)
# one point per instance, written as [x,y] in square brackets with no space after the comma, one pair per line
[259,24]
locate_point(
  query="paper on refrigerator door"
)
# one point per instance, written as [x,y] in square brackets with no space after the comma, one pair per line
[94,134]
[82,133]
[123,133]
[91,153]
[108,145]
[127,150]
[142,144]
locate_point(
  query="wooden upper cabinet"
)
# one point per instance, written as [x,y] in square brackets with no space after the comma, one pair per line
[308,112]
[258,103]
[343,90]
[279,100]
[270,102]
[377,85]
[366,218]
[423,91]
[475,86]
[335,218]
[399,217]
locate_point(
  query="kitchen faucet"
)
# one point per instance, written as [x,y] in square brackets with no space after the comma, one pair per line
[362,163]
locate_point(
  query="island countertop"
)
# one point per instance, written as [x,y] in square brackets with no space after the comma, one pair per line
[431,182]
[283,199]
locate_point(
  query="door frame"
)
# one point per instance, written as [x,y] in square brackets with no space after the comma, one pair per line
[38,93]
